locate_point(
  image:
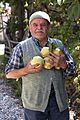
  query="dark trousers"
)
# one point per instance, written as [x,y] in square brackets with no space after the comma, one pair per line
[51,113]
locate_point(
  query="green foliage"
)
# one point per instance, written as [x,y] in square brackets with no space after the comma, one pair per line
[74,10]
[60,1]
[16,86]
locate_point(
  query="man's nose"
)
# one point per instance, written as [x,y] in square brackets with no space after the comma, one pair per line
[39,26]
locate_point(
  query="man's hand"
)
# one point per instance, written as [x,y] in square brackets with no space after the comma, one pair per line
[58,61]
[32,68]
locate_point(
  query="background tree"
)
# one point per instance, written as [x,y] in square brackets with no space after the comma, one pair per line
[16,22]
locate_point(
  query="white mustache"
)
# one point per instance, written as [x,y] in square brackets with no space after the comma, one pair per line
[40,31]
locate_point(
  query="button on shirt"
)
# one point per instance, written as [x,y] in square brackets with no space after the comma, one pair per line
[16,61]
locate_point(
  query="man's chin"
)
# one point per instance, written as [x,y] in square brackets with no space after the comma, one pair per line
[39,34]
[39,37]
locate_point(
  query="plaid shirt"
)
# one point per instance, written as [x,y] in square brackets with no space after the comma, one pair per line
[16,59]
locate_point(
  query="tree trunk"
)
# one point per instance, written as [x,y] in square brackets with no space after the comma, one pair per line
[21,17]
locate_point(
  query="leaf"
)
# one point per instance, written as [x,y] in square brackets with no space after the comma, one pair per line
[52,46]
[63,1]
[78,12]
[70,11]
[59,2]
[74,11]
[26,4]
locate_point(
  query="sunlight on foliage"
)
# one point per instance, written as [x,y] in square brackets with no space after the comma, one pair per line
[60,1]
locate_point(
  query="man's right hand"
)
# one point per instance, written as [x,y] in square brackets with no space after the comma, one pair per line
[32,68]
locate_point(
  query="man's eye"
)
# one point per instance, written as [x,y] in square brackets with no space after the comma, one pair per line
[35,25]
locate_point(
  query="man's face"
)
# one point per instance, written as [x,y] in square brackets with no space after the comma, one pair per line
[39,28]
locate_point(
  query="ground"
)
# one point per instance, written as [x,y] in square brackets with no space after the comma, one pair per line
[10,106]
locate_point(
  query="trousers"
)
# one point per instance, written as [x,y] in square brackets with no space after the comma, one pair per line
[51,113]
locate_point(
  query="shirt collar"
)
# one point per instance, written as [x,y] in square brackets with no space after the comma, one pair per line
[37,43]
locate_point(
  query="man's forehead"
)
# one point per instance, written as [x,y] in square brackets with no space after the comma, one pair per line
[38,20]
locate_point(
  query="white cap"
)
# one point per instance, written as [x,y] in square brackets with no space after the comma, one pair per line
[39,14]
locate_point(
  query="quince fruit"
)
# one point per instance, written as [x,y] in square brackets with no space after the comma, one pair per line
[78,100]
[45,51]
[75,80]
[37,60]
[47,63]
[57,51]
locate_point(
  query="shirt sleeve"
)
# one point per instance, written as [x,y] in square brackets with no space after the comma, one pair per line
[71,69]
[15,61]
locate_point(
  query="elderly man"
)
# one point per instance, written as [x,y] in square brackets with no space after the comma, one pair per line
[43,91]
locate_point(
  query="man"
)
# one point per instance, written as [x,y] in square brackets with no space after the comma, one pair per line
[43,92]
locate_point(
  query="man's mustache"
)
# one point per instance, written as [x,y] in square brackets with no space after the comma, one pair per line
[40,31]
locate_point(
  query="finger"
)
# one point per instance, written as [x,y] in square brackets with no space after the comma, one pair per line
[53,54]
